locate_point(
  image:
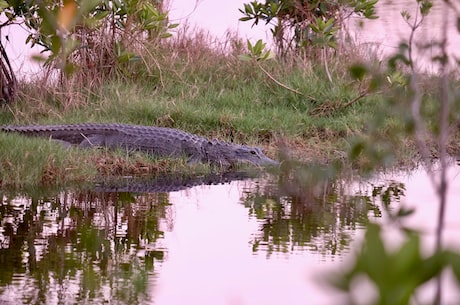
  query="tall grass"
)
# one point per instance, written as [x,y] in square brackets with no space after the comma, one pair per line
[203,89]
[196,83]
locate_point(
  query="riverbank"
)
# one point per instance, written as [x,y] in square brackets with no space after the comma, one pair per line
[209,92]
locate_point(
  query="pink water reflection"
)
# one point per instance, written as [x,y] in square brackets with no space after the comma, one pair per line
[210,258]
[217,17]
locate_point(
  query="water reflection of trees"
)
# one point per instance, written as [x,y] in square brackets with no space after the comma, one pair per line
[75,247]
[78,247]
[319,217]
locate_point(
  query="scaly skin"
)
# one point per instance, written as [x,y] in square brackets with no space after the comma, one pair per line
[159,141]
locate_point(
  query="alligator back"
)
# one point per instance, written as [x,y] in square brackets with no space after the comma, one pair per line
[159,141]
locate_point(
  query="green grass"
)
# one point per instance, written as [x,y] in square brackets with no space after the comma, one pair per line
[34,161]
[211,94]
[28,161]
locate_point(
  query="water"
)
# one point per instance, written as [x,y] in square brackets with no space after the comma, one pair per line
[240,241]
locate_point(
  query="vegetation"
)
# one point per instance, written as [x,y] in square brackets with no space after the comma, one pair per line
[411,110]
[306,26]
[208,91]
[99,38]
[212,92]
[366,115]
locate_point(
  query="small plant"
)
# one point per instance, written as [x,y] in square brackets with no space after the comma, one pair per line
[257,53]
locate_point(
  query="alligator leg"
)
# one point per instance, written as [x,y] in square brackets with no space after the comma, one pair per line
[64,144]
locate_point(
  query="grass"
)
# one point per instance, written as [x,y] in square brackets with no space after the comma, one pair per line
[33,161]
[28,161]
[200,90]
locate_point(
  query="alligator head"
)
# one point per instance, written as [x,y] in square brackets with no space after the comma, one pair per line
[222,153]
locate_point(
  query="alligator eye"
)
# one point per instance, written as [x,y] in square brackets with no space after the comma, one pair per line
[253,152]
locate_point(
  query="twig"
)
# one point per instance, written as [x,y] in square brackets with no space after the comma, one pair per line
[443,138]
[360,96]
[444,125]
[277,82]
[326,66]
[420,129]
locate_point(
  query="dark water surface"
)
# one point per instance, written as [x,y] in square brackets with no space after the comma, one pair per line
[237,240]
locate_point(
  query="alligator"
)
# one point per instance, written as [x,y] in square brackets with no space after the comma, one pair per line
[158,141]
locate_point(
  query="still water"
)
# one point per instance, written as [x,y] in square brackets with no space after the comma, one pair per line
[228,239]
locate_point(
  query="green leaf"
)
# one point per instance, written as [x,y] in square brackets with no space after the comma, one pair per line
[408,256]
[374,251]
[165,35]
[9,15]
[101,14]
[454,261]
[358,71]
[244,57]
[245,18]
[332,44]
[405,14]
[38,58]
[248,9]
[404,212]
[425,7]
[259,47]
[135,58]
[69,68]
[356,149]
[431,267]
[267,55]
[250,48]
[55,44]
[274,8]
[328,25]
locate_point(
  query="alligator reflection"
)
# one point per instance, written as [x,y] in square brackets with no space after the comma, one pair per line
[77,246]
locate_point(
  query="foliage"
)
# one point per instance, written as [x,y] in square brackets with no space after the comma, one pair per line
[305,25]
[97,36]
[426,118]
[396,275]
[414,101]
[257,52]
